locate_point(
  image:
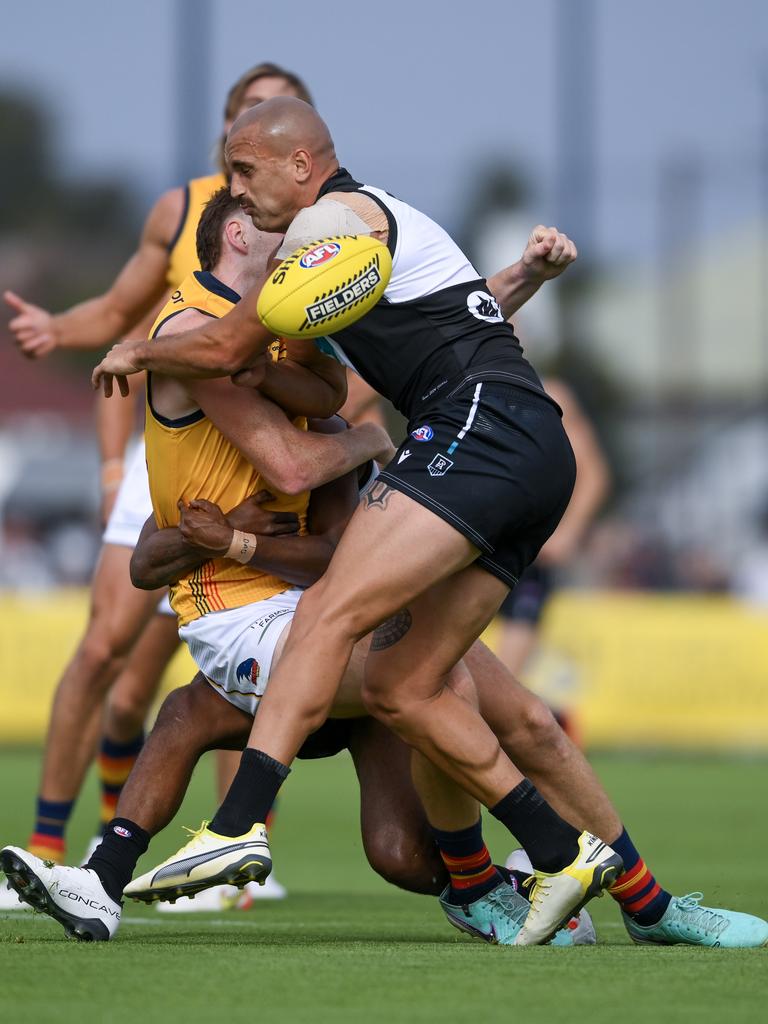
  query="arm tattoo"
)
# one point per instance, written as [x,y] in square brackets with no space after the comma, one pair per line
[389,632]
[377,496]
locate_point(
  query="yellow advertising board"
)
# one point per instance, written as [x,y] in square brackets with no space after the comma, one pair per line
[639,670]
[38,635]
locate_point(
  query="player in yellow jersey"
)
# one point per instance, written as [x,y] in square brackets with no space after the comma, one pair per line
[125,645]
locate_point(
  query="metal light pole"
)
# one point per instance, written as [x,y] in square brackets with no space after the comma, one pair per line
[576,149]
[763,260]
[192,28]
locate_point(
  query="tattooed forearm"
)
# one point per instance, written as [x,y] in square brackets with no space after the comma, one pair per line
[378,495]
[389,632]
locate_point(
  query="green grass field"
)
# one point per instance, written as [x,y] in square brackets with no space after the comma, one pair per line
[346,947]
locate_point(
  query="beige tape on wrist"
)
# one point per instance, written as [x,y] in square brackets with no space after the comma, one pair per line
[111,474]
[242,547]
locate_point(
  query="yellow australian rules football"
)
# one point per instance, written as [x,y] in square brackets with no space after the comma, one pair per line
[325,286]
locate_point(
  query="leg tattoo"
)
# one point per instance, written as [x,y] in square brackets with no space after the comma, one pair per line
[389,632]
[378,496]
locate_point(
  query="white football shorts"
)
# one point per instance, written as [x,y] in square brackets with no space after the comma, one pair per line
[132,508]
[133,505]
[234,648]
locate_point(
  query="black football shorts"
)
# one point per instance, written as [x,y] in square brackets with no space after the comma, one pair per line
[493,460]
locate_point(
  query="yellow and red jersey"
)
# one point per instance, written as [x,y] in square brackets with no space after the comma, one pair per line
[190,458]
[182,252]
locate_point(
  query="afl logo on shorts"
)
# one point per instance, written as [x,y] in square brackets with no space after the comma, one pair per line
[248,671]
[124,833]
[424,433]
[319,255]
[483,306]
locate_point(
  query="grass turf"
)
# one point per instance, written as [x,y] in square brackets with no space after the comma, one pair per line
[346,947]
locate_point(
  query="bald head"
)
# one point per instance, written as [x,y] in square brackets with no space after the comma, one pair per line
[284,124]
[279,153]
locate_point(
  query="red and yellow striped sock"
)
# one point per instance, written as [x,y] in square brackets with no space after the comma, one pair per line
[468,863]
[47,847]
[636,890]
[115,763]
[47,839]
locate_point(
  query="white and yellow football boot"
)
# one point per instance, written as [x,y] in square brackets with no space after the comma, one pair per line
[207,859]
[555,898]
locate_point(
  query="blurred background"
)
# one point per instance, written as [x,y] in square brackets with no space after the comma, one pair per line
[639,129]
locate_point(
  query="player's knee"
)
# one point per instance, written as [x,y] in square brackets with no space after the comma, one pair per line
[177,714]
[126,714]
[333,620]
[463,685]
[410,865]
[382,703]
[535,727]
[99,659]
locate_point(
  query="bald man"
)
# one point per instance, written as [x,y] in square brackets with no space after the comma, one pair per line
[434,548]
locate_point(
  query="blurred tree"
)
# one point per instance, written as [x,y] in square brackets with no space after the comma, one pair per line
[41,199]
[62,240]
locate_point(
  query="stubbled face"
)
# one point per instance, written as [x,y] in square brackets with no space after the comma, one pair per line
[264,183]
[258,91]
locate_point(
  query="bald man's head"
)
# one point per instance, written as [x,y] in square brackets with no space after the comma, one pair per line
[279,153]
[285,123]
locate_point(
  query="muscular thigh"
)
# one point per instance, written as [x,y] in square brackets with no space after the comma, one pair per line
[419,646]
[392,550]
[199,709]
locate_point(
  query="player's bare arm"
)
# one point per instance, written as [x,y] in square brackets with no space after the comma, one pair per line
[304,383]
[548,253]
[292,460]
[164,556]
[593,478]
[99,321]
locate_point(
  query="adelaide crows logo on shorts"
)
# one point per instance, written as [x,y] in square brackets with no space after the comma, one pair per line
[248,671]
[425,433]
[319,255]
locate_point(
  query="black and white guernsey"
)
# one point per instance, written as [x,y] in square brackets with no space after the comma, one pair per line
[437,327]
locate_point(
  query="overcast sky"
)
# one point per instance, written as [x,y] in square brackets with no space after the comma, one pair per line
[418,94]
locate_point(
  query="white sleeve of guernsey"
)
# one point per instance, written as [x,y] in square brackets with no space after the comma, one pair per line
[323,219]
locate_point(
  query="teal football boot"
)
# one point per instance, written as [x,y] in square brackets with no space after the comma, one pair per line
[686,922]
[498,916]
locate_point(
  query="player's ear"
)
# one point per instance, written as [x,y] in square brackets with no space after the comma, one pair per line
[302,165]
[235,232]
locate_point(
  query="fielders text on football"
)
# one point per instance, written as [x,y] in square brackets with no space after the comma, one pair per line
[338,301]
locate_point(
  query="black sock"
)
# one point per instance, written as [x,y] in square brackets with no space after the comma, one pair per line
[550,842]
[116,856]
[251,794]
